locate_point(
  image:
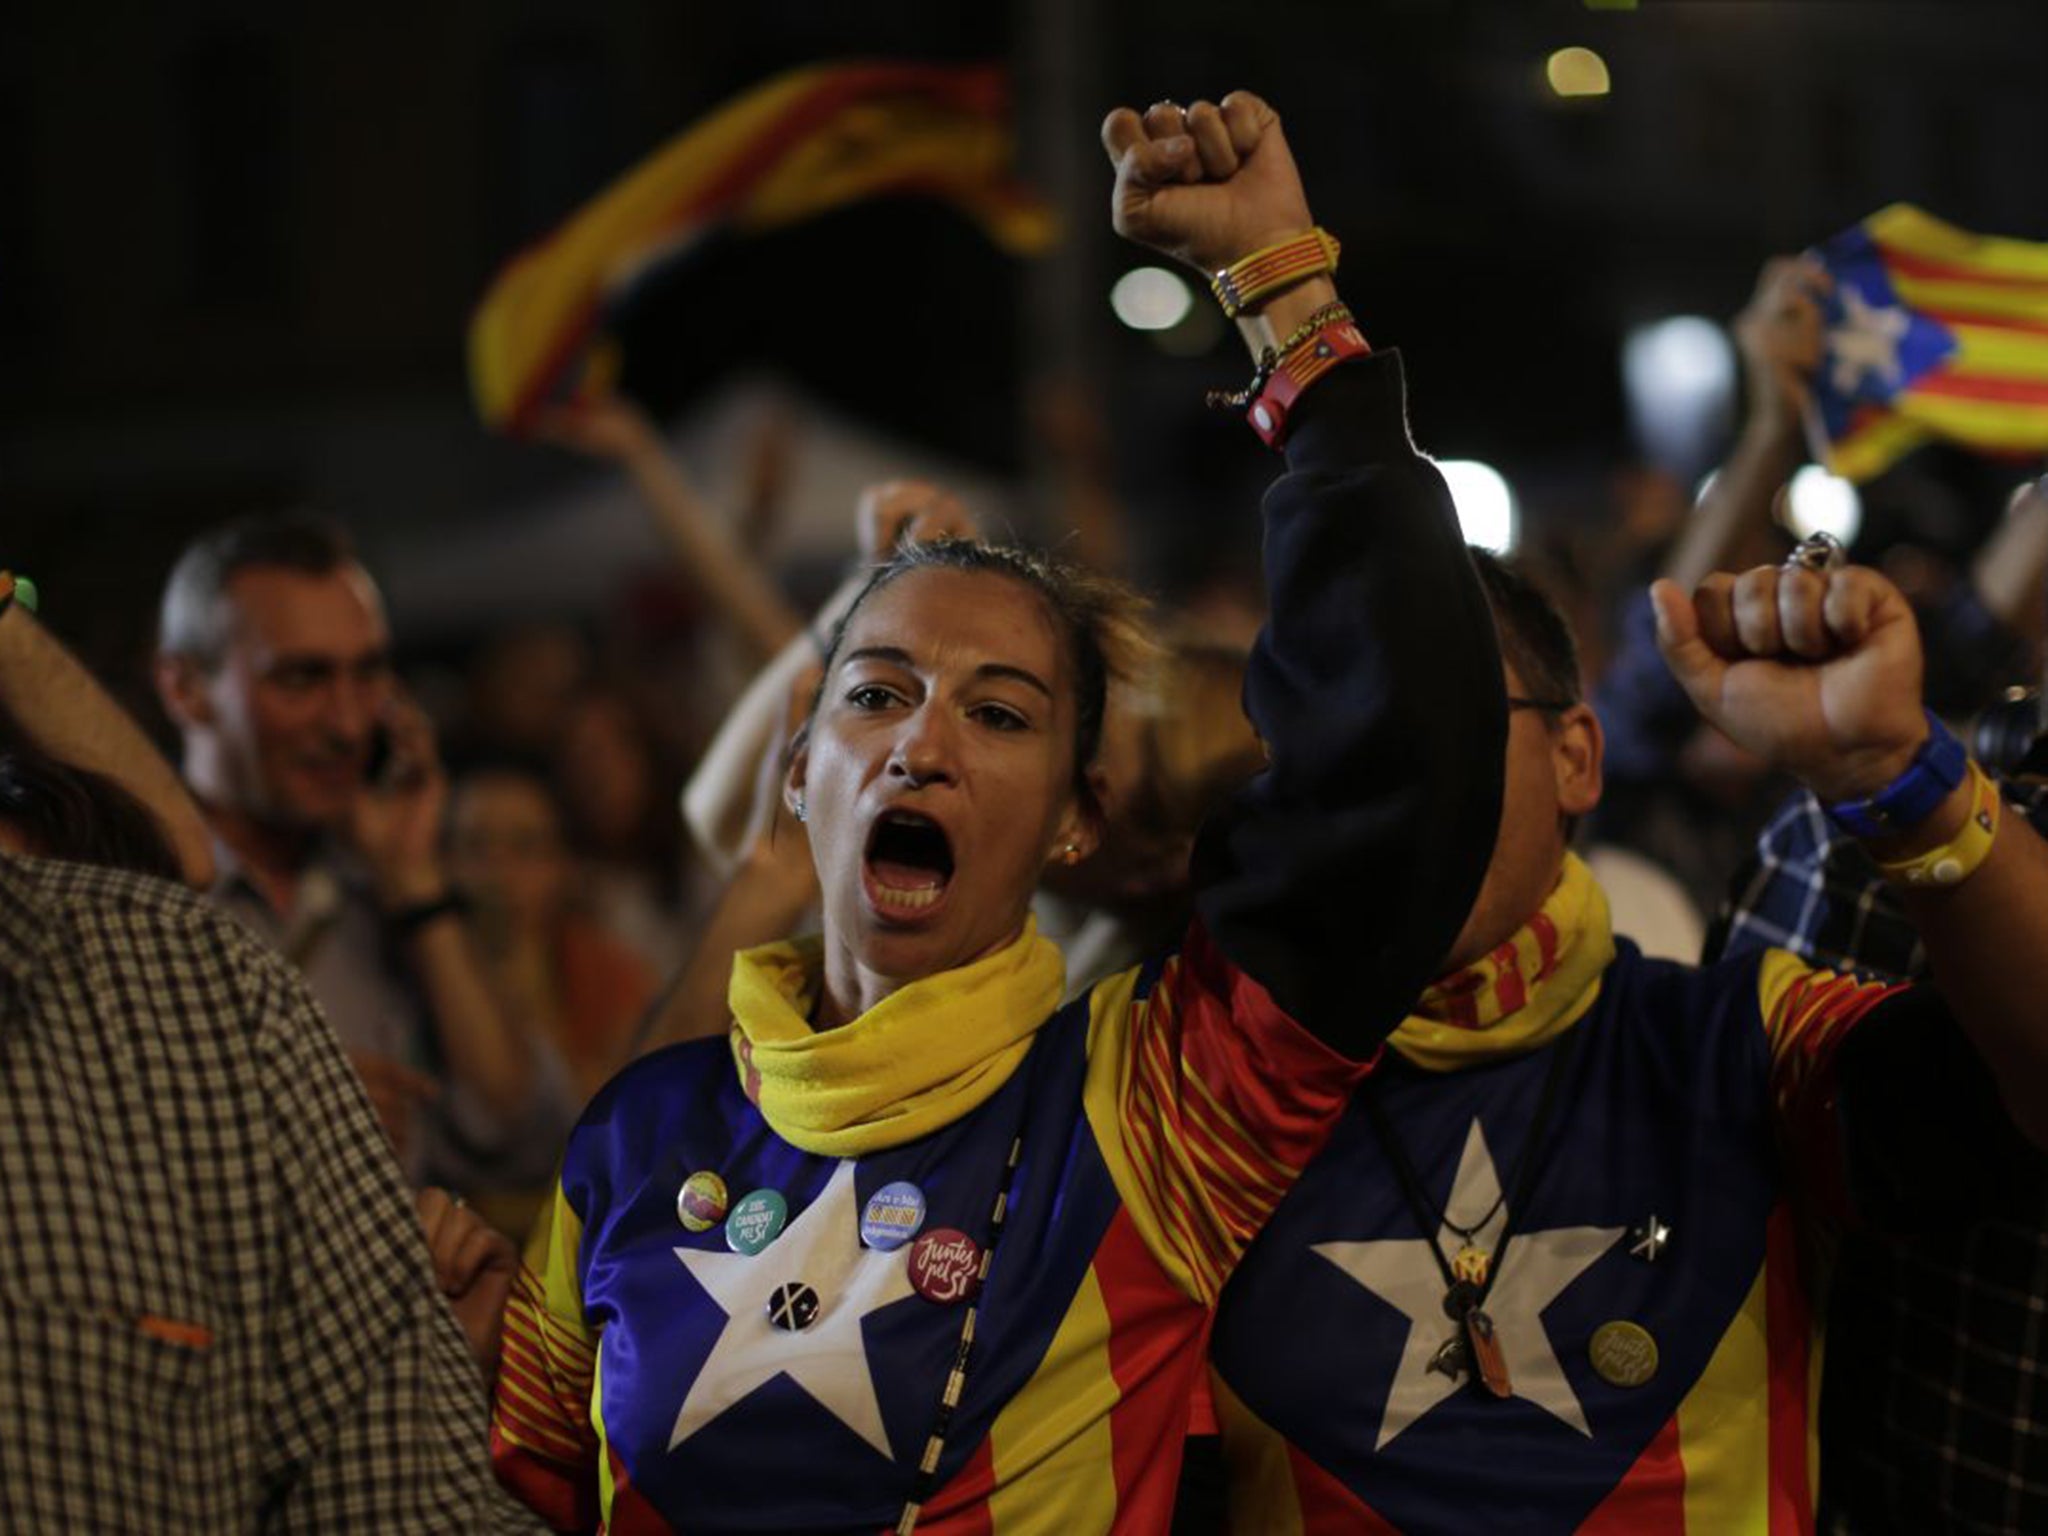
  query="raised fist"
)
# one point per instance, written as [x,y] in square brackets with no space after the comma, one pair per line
[1206,185]
[1780,332]
[1817,672]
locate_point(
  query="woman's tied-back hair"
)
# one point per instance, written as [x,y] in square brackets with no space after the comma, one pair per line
[1101,622]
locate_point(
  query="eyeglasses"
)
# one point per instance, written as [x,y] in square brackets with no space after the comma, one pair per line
[1548,706]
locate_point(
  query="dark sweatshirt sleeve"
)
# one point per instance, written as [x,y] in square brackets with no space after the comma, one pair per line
[1340,876]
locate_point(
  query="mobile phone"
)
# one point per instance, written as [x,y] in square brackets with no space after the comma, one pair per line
[377,762]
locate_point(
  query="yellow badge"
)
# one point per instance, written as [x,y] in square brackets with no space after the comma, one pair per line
[1624,1354]
[701,1202]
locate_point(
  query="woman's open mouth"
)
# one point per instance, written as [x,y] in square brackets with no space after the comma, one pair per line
[908,863]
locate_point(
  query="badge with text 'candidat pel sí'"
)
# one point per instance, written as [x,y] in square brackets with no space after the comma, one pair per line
[756,1221]
[892,1216]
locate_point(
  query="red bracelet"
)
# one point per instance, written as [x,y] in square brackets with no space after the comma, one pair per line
[1334,344]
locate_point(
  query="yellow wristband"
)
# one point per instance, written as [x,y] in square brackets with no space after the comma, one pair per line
[1251,280]
[1957,859]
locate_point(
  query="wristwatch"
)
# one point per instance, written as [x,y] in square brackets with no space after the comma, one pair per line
[1937,768]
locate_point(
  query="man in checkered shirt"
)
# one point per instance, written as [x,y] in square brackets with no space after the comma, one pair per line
[1935,1405]
[220,1314]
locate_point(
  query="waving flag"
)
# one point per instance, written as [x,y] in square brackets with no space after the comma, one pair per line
[801,144]
[1931,332]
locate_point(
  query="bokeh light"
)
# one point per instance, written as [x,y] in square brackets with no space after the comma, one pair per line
[1679,375]
[1485,502]
[1818,502]
[1151,299]
[1577,72]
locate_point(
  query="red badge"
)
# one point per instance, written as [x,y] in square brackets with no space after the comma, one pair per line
[945,1265]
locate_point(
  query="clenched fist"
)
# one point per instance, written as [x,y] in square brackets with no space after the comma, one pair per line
[1205,185]
[1817,672]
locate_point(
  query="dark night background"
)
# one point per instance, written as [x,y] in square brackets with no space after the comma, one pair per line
[239,242]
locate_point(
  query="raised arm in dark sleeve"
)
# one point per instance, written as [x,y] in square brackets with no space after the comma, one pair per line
[1340,876]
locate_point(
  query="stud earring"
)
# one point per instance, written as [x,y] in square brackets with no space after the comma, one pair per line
[1072,853]
[801,813]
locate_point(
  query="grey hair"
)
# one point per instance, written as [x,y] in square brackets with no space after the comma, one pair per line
[193,621]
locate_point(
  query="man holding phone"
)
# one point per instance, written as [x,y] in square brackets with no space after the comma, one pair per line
[324,792]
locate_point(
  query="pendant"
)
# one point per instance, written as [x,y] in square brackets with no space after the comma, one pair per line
[1486,1353]
[1647,1239]
[1472,1265]
[1451,1359]
[1460,1299]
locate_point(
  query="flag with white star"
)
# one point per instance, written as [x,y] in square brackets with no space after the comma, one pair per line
[1645,1294]
[1931,331]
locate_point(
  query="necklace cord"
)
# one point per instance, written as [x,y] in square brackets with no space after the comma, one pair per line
[1528,1164]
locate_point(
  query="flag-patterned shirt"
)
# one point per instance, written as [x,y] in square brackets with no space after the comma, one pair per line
[1162,1114]
[1685,1096]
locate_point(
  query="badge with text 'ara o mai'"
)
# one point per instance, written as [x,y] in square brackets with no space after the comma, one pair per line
[892,1216]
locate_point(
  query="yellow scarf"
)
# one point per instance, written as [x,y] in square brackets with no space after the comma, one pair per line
[1527,992]
[916,1061]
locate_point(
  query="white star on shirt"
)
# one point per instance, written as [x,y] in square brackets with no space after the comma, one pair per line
[1866,341]
[1539,1265]
[829,1360]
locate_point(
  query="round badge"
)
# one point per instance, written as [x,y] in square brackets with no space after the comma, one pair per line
[893,1214]
[793,1307]
[756,1221]
[701,1202]
[1623,1353]
[945,1265]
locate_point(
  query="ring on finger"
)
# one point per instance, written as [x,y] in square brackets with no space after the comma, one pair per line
[1817,552]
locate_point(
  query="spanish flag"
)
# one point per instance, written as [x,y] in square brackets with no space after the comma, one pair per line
[1931,332]
[797,146]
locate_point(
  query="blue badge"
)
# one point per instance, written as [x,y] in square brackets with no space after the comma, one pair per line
[893,1215]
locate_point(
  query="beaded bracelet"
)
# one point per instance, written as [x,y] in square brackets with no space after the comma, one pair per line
[1958,858]
[1329,314]
[1251,280]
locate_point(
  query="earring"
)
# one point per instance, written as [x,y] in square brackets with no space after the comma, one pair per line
[801,814]
[1072,853]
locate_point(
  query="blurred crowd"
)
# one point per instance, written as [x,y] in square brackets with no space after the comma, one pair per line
[500,896]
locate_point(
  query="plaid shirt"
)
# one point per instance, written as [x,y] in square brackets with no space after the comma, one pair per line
[1935,1410]
[219,1312]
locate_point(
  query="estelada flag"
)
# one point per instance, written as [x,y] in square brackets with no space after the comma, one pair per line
[797,146]
[1931,332]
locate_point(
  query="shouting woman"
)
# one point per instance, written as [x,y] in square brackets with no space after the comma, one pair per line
[919,1247]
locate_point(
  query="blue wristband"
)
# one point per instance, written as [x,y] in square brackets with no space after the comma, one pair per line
[1937,768]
